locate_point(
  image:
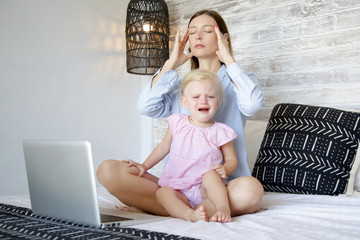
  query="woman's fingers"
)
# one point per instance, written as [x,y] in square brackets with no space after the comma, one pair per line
[221,37]
[185,38]
[178,57]
[223,52]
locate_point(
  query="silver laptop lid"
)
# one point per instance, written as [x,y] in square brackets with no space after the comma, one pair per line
[61,180]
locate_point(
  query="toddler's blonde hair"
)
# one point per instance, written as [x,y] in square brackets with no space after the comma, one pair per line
[199,74]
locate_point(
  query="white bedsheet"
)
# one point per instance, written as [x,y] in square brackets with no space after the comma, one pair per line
[281,216]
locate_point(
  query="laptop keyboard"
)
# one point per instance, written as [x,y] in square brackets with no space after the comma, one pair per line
[105,218]
[21,223]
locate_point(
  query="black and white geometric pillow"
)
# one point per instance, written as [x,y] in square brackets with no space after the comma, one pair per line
[309,150]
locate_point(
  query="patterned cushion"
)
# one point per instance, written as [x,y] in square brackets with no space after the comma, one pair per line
[309,150]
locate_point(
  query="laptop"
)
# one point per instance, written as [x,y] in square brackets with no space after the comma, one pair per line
[62,185]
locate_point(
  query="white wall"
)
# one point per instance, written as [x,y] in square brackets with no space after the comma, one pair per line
[63,76]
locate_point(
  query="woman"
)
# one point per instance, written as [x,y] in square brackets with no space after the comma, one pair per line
[210,49]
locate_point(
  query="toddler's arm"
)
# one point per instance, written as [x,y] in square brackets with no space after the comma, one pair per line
[156,155]
[230,159]
[159,152]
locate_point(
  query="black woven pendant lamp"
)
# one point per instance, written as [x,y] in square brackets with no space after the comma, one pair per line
[147,36]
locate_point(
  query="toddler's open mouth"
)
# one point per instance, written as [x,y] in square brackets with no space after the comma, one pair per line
[203,109]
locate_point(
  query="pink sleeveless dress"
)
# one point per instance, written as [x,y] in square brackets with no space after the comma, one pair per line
[193,151]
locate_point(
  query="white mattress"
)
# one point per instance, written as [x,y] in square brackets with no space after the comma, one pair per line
[281,216]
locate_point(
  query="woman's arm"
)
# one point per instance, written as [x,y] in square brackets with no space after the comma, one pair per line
[157,97]
[248,94]
[157,101]
[249,97]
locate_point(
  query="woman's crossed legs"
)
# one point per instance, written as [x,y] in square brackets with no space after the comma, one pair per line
[123,182]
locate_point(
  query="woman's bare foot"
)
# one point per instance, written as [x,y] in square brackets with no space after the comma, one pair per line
[199,214]
[222,215]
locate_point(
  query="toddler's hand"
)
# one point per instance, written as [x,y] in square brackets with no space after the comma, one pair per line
[139,166]
[219,168]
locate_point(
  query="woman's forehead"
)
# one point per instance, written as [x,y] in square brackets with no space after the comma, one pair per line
[202,20]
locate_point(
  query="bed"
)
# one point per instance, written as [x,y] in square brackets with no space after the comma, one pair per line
[297,203]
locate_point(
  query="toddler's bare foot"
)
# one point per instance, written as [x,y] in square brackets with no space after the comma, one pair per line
[222,215]
[199,214]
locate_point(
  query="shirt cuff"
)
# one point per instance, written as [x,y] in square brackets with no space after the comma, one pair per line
[168,79]
[235,69]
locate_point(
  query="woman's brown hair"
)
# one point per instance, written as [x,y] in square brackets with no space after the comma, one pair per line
[222,27]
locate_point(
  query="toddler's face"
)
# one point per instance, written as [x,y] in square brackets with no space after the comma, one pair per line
[202,100]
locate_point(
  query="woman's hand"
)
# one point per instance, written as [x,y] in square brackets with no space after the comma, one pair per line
[219,168]
[142,168]
[177,56]
[223,51]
